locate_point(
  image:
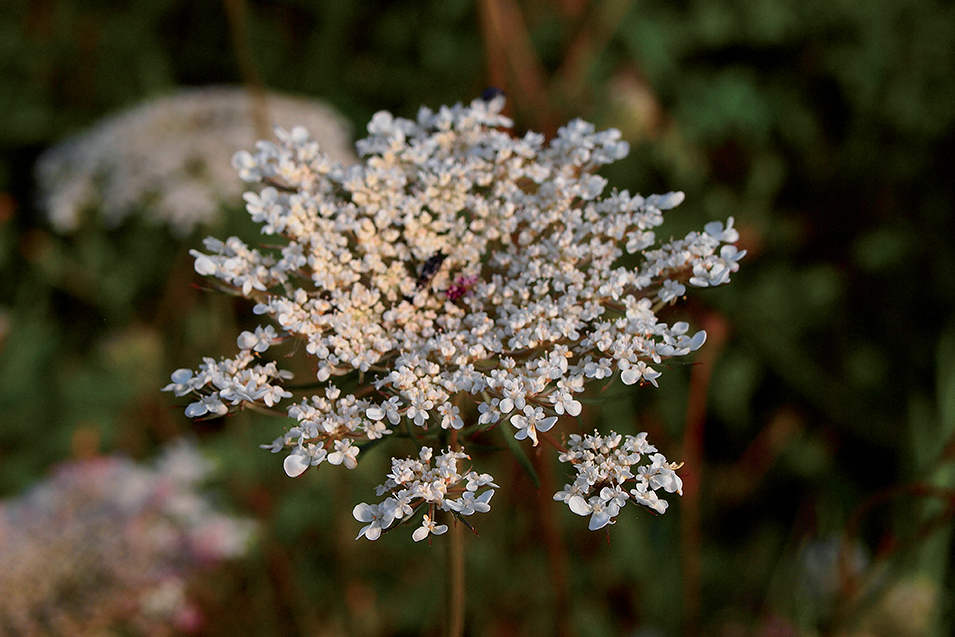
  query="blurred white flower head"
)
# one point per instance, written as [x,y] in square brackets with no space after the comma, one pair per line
[456,279]
[168,158]
[109,543]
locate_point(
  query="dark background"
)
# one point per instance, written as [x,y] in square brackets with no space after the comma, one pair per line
[824,127]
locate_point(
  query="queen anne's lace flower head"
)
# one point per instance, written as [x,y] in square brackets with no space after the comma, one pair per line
[169,157]
[109,546]
[454,261]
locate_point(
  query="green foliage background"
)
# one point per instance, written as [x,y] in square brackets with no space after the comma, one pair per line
[827,128]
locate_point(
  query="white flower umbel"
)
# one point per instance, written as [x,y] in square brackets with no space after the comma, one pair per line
[169,157]
[106,546]
[413,483]
[455,267]
[604,471]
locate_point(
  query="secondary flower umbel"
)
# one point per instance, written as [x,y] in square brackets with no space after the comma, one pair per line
[469,276]
[603,468]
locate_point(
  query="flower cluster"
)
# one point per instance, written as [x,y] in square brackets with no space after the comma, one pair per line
[603,467]
[413,483]
[169,157]
[455,279]
[107,544]
[235,381]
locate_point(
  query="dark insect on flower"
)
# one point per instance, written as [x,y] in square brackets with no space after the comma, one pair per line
[430,268]
[491,93]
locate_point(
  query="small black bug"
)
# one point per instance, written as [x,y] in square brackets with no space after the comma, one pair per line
[492,92]
[430,268]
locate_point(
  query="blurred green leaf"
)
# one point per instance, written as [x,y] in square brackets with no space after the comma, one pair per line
[517,451]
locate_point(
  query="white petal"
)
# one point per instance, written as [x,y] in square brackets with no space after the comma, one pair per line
[630,376]
[197,409]
[296,464]
[181,375]
[246,340]
[668,201]
[599,520]
[578,505]
[573,407]
[546,423]
[205,266]
[363,512]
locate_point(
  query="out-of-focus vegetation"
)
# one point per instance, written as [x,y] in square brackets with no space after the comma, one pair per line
[820,481]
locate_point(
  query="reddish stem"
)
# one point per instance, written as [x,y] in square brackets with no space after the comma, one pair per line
[717,331]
